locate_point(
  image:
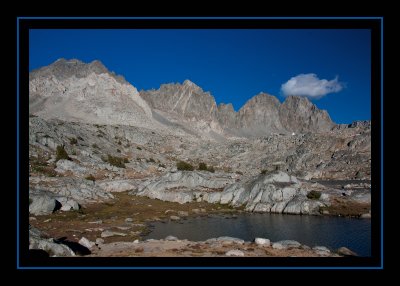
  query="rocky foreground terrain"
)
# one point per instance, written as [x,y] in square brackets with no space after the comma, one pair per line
[105,159]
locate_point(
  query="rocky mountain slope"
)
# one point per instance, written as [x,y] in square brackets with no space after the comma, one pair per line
[74,91]
[178,120]
[95,142]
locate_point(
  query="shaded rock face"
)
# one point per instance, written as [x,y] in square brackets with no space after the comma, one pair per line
[260,115]
[226,116]
[298,114]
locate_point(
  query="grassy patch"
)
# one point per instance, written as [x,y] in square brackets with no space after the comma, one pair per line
[183,166]
[73,141]
[45,170]
[61,154]
[115,161]
[347,208]
[204,167]
[90,178]
[314,195]
[39,165]
[227,169]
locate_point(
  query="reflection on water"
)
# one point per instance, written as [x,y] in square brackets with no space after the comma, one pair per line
[332,232]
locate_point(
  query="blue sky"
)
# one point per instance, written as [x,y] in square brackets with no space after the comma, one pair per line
[233,65]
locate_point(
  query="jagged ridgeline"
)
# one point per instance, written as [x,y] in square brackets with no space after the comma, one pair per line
[74,91]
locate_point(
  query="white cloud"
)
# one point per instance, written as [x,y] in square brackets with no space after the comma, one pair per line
[310,85]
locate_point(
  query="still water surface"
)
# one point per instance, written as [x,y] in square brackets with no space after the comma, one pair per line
[332,232]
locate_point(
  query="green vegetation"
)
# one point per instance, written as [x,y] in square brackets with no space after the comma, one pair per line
[39,165]
[115,161]
[314,195]
[73,141]
[204,167]
[61,154]
[45,170]
[90,178]
[183,166]
[227,169]
[263,172]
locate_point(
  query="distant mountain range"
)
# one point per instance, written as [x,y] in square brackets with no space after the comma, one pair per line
[75,91]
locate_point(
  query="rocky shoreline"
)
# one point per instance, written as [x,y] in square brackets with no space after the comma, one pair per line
[173,247]
[215,247]
[102,227]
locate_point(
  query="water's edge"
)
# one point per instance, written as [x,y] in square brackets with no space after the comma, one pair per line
[332,232]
